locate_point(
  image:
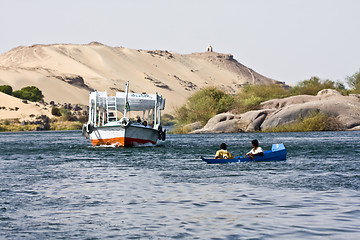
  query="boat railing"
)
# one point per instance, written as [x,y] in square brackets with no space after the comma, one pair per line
[104,109]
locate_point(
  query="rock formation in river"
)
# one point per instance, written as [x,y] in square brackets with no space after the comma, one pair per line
[346,109]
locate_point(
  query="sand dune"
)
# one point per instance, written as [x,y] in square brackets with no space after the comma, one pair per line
[66,73]
[12,108]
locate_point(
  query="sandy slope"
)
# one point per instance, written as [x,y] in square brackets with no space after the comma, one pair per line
[24,110]
[66,73]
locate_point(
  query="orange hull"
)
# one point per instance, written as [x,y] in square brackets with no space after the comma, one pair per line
[121,137]
[120,142]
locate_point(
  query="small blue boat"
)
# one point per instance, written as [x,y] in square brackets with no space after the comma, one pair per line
[277,153]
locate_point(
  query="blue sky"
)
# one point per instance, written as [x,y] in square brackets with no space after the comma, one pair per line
[288,40]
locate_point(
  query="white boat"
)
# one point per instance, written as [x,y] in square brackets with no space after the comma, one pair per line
[108,123]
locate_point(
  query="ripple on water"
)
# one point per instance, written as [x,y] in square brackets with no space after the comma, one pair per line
[55,185]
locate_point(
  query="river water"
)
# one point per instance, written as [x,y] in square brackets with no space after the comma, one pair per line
[54,185]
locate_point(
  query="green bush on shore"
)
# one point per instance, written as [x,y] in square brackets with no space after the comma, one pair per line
[316,121]
[208,102]
[65,125]
[55,111]
[250,96]
[55,124]
[168,120]
[16,127]
[203,105]
[354,82]
[314,85]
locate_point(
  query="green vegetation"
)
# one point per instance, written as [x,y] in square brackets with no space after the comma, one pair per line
[55,124]
[250,97]
[354,82]
[315,122]
[314,85]
[63,120]
[203,105]
[14,125]
[66,115]
[6,89]
[208,102]
[168,120]
[55,111]
[58,124]
[31,93]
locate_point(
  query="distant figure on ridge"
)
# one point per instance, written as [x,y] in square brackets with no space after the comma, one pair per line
[223,153]
[209,48]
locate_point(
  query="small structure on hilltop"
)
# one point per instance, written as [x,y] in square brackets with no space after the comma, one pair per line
[209,48]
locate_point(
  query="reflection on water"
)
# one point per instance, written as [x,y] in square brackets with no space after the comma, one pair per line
[55,185]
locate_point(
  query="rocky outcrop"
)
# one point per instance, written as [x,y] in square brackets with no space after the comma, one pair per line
[75,80]
[192,127]
[221,123]
[345,109]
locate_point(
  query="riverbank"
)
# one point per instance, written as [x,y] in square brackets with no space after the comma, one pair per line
[14,125]
[328,110]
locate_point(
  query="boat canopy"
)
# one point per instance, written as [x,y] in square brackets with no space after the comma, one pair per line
[103,109]
[135,101]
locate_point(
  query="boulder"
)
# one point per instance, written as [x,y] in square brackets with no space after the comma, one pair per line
[192,126]
[346,109]
[280,103]
[221,123]
[251,121]
[328,92]
[357,128]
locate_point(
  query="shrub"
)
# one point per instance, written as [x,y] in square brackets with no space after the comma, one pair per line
[66,115]
[65,125]
[316,121]
[6,89]
[314,85]
[55,111]
[203,105]
[168,120]
[251,96]
[31,93]
[354,82]
[83,119]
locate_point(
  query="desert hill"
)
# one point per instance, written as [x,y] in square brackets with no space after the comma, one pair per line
[14,108]
[66,72]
